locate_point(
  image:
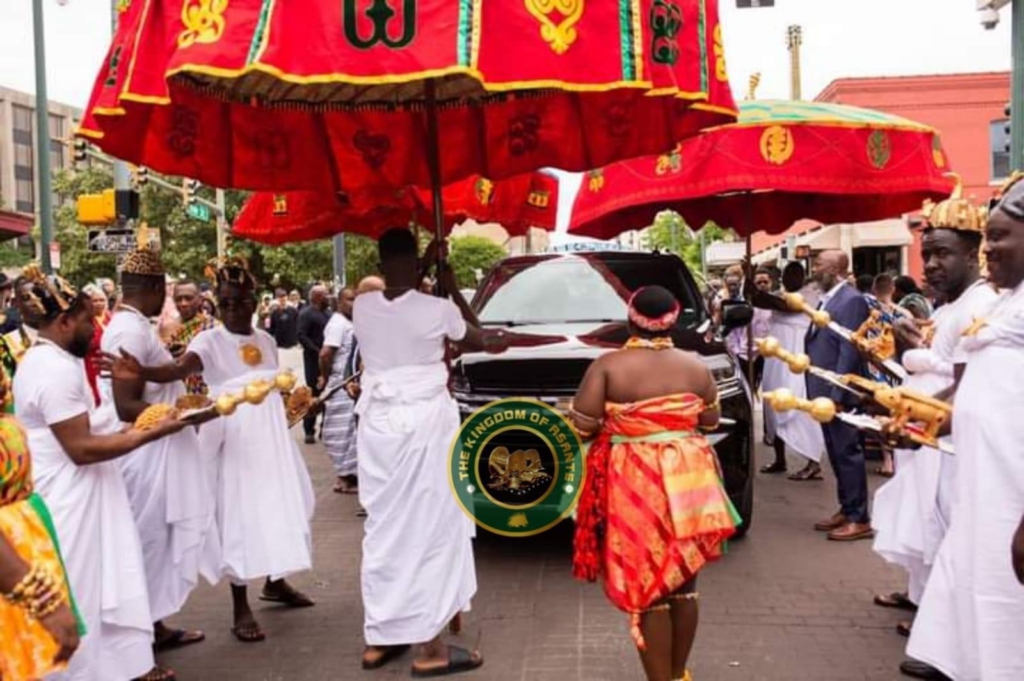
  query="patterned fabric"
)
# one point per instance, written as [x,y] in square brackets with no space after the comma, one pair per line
[653,510]
[12,348]
[26,648]
[182,337]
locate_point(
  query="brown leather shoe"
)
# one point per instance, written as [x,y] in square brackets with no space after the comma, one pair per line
[835,522]
[852,532]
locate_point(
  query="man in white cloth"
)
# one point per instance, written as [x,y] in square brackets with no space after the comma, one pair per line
[339,426]
[417,568]
[793,428]
[264,496]
[971,621]
[75,473]
[174,515]
[912,510]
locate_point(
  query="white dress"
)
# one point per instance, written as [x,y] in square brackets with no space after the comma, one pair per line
[417,569]
[911,516]
[263,491]
[798,430]
[93,519]
[175,516]
[971,621]
[339,420]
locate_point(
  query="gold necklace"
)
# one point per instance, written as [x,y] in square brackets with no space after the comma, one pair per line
[659,343]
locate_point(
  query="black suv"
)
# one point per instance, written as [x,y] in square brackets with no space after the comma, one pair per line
[583,298]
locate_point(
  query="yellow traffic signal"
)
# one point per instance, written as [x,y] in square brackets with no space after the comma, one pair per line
[97,209]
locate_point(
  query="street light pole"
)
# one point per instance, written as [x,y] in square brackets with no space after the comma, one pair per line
[1017,87]
[121,172]
[222,225]
[45,204]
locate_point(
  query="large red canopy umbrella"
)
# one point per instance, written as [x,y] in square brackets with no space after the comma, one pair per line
[782,161]
[346,95]
[518,203]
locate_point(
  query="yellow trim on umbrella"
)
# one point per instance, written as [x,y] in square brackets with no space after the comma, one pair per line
[474,39]
[713,108]
[108,111]
[87,132]
[144,99]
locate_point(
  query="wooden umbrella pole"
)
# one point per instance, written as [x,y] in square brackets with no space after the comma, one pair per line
[434,163]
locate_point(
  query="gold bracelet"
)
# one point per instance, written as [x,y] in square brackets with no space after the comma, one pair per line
[38,592]
[714,406]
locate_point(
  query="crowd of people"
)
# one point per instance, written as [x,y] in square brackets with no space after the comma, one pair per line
[110,512]
[954,522]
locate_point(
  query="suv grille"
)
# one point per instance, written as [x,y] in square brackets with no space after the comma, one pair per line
[527,377]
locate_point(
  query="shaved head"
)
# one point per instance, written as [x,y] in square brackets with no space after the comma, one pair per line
[830,267]
[369,284]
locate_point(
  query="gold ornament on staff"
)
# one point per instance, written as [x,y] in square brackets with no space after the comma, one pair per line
[821,409]
[874,338]
[905,406]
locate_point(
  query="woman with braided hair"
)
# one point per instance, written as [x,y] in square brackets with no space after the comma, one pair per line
[653,510]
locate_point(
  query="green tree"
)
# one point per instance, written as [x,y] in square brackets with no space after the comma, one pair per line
[671,233]
[469,254]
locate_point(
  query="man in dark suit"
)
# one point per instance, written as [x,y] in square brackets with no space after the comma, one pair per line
[828,350]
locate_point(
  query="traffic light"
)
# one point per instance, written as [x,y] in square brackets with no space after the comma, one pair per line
[97,209]
[81,150]
[188,191]
[140,176]
[1008,128]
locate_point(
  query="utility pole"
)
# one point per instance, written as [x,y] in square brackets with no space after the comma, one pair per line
[794,39]
[339,261]
[45,205]
[122,174]
[1017,88]
[222,225]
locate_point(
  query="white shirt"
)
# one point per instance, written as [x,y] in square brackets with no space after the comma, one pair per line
[408,331]
[336,330]
[221,354]
[133,332]
[827,298]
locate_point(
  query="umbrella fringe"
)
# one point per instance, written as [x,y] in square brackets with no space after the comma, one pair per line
[218,93]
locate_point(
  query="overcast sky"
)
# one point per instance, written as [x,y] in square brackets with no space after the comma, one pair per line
[841,38]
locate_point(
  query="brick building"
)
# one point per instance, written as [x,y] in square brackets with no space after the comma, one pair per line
[969,112]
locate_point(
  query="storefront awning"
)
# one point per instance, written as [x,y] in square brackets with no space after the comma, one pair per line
[13,225]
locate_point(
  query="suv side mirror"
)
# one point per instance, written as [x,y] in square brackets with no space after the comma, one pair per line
[735,316]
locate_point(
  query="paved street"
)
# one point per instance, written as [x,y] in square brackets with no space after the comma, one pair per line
[784,604]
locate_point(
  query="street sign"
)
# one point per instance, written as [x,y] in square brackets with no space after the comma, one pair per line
[198,211]
[746,4]
[55,255]
[111,241]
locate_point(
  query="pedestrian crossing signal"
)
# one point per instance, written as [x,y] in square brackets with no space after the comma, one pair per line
[97,209]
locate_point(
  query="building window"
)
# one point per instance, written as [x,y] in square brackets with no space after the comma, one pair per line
[999,142]
[57,146]
[24,168]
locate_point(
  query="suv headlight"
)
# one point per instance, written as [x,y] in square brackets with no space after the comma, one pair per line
[460,383]
[722,370]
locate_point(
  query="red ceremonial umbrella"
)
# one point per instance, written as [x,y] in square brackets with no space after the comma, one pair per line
[782,161]
[346,95]
[518,203]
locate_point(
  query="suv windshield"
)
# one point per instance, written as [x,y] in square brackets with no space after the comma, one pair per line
[580,289]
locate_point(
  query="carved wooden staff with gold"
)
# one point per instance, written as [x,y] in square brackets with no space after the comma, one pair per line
[874,339]
[913,415]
